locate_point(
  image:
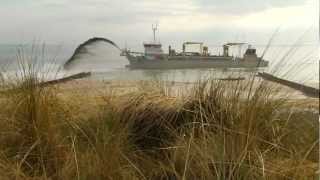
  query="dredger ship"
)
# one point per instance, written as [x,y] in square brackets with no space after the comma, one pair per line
[153,57]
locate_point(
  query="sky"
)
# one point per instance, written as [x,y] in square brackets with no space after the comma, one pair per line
[129,21]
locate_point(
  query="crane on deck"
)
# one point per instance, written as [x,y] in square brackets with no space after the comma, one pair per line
[203,49]
[227,45]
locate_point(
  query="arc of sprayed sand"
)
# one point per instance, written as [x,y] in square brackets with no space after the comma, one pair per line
[81,47]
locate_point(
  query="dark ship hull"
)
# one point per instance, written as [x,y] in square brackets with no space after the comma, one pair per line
[188,62]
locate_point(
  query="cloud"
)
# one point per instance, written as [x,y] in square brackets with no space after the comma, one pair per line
[69,20]
[242,7]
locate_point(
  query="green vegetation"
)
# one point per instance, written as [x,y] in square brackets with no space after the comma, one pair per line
[212,130]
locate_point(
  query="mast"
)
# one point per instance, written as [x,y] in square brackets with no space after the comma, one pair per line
[154,28]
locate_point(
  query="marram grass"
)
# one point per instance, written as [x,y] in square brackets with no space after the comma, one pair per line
[214,130]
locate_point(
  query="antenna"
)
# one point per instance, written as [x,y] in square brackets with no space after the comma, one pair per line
[154,28]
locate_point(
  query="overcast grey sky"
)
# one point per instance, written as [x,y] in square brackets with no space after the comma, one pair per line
[73,21]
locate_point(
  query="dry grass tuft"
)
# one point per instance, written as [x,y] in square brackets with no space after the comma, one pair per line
[215,130]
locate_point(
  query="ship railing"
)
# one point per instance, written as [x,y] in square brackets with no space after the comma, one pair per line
[140,53]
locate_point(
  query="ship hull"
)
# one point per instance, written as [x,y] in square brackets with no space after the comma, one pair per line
[189,62]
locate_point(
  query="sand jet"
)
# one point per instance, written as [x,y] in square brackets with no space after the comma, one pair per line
[81,49]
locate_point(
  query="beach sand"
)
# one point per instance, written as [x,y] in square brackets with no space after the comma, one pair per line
[95,89]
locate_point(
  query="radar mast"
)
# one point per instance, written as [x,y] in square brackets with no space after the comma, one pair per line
[154,28]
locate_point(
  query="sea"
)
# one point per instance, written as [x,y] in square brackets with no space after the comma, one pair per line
[298,63]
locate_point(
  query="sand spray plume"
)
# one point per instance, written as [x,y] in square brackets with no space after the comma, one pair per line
[81,49]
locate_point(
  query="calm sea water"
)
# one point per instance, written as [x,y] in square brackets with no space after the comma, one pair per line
[296,63]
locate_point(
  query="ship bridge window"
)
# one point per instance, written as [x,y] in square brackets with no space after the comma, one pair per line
[251,51]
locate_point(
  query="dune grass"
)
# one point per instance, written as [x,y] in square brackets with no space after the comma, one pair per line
[213,130]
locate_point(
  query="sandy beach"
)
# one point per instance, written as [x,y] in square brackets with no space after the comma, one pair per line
[95,88]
